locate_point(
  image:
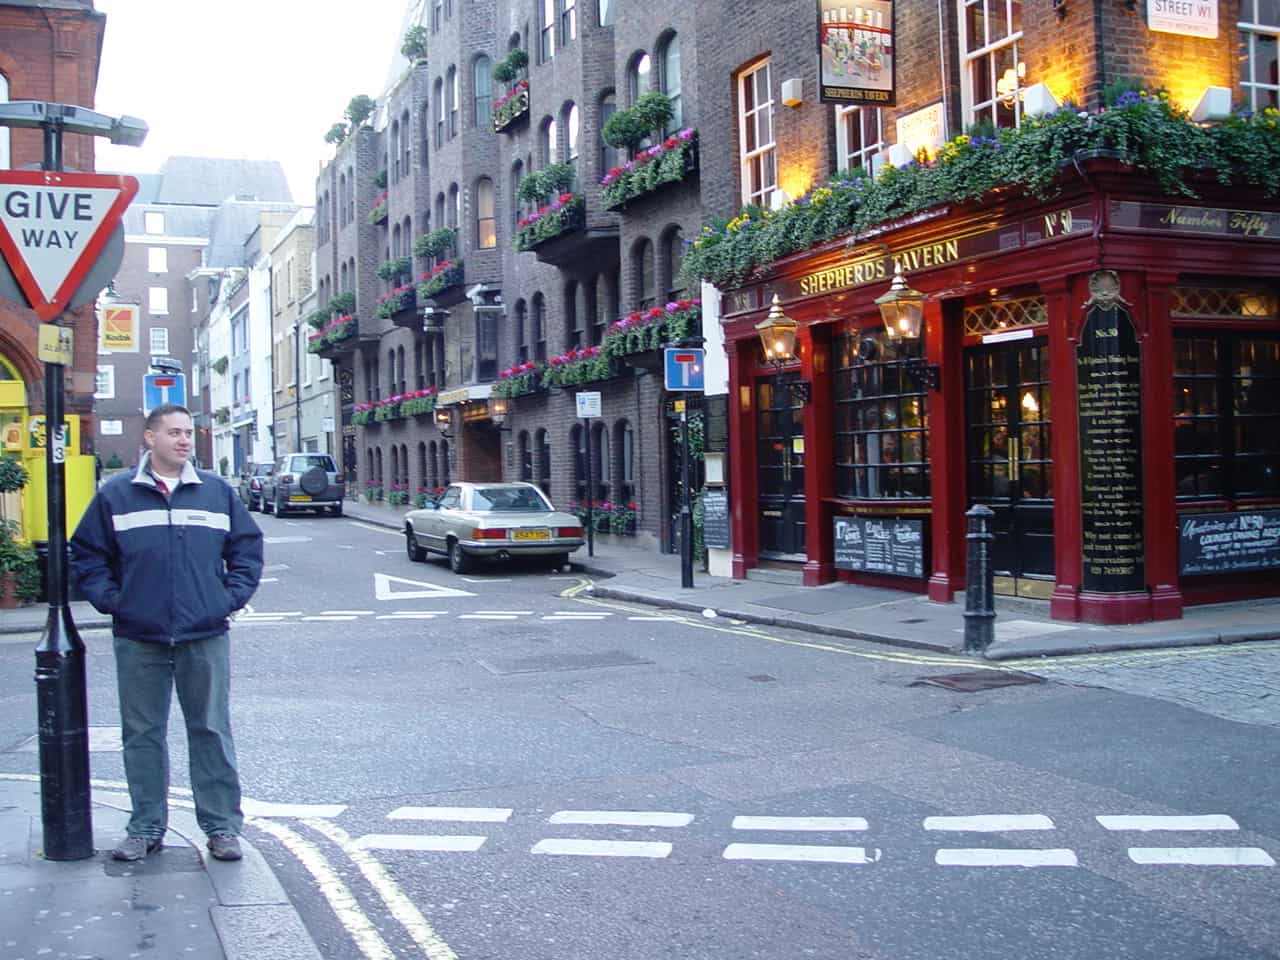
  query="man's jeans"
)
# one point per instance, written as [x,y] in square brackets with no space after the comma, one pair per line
[146,674]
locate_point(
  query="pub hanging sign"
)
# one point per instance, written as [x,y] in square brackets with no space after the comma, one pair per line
[855,52]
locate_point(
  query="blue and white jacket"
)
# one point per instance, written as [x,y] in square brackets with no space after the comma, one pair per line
[167,569]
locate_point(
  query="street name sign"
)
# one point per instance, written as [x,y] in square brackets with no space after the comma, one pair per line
[54,345]
[683,368]
[158,388]
[53,228]
[588,403]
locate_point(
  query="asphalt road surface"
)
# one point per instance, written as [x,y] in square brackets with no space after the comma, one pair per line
[499,767]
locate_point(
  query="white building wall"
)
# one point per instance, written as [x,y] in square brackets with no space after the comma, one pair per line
[220,383]
[260,386]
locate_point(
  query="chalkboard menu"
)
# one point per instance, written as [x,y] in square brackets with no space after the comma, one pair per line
[1229,542]
[715,518]
[880,545]
[1109,398]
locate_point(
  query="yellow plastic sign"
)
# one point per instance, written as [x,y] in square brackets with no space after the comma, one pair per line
[54,344]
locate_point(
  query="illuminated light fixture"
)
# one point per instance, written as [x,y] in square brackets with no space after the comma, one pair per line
[1214,104]
[499,408]
[444,420]
[777,333]
[1007,85]
[1038,100]
[778,199]
[902,310]
[1029,402]
[792,92]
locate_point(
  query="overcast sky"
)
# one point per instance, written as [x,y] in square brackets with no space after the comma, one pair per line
[254,79]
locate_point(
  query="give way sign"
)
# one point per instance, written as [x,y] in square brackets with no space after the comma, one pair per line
[53,227]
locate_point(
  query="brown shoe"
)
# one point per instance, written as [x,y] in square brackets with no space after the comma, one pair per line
[223,846]
[136,848]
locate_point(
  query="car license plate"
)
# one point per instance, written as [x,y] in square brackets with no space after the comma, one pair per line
[531,535]
[299,498]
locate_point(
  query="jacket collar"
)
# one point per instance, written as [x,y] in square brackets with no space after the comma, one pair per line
[144,477]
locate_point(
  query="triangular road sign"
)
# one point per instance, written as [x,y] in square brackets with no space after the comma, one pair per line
[383,590]
[53,226]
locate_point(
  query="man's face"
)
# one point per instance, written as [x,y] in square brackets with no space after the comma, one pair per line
[170,443]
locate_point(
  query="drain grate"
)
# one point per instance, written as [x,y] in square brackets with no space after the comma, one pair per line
[974,680]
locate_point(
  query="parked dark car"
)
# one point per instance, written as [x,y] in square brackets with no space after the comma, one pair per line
[251,483]
[304,481]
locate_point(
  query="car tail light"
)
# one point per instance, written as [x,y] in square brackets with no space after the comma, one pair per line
[494,534]
[255,484]
[286,478]
[340,478]
[568,531]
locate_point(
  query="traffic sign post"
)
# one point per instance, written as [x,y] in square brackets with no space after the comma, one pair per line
[54,227]
[161,388]
[683,372]
[588,402]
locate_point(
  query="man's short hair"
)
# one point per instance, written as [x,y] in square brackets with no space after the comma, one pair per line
[155,416]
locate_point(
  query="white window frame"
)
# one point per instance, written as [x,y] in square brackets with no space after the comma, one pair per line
[547,31]
[984,55]
[293,354]
[157,259]
[1260,92]
[324,369]
[153,222]
[304,361]
[847,157]
[104,387]
[746,158]
[158,301]
[158,341]
[569,21]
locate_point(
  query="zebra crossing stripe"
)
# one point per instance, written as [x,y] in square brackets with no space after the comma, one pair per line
[1201,856]
[988,857]
[820,824]
[622,818]
[989,823]
[453,814]
[602,848]
[800,853]
[1209,822]
[421,843]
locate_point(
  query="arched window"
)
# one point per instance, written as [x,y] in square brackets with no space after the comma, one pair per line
[578,444]
[624,456]
[642,271]
[377,465]
[444,463]
[395,240]
[419,371]
[422,471]
[437,102]
[572,332]
[424,126]
[672,257]
[404,468]
[606,305]
[440,209]
[482,86]
[600,461]
[455,205]
[669,80]
[395,466]
[521,334]
[351,194]
[395,151]
[486,222]
[571,131]
[542,455]
[526,456]
[433,465]
[539,328]
[451,90]
[371,478]
[517,174]
[342,192]
[406,145]
[547,147]
[638,76]
[608,155]
[391,373]
[400,368]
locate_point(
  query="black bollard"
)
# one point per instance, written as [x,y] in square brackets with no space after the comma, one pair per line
[979,593]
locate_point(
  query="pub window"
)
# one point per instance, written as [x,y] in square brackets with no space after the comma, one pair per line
[860,136]
[881,449]
[437,100]
[526,457]
[755,134]
[1259,59]
[454,100]
[486,345]
[1226,415]
[542,448]
[522,333]
[538,327]
[608,155]
[992,71]
[486,222]
[669,78]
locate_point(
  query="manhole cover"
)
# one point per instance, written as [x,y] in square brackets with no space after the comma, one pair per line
[550,663]
[974,680]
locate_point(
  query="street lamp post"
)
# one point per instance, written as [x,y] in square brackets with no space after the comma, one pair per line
[61,701]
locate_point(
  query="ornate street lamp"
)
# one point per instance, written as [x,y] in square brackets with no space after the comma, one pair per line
[444,421]
[499,410]
[902,309]
[777,333]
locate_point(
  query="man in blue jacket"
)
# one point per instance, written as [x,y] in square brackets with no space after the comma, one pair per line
[170,552]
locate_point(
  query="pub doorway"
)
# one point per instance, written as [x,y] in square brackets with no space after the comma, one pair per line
[1008,420]
[780,465]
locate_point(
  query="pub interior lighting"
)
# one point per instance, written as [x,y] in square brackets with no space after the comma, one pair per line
[902,309]
[777,333]
[1007,85]
[1214,104]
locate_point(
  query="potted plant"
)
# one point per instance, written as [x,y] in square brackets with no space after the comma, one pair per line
[19,569]
[414,45]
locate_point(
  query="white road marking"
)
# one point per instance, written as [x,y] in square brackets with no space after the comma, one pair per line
[269,613]
[987,857]
[424,843]
[579,613]
[487,616]
[622,818]
[486,579]
[602,848]
[658,619]
[375,529]
[346,613]
[453,814]
[383,589]
[406,616]
[401,907]
[272,567]
[344,905]
[513,613]
[324,619]
[264,808]
[802,853]
[269,580]
[1215,821]
[799,823]
[1202,856]
[989,823]
[563,619]
[260,618]
[286,539]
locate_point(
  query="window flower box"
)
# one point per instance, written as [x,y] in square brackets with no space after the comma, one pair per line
[342,303]
[395,268]
[667,162]
[519,380]
[418,402]
[378,213]
[343,328]
[398,494]
[511,106]
[567,213]
[439,278]
[401,298]
[652,329]
[586,365]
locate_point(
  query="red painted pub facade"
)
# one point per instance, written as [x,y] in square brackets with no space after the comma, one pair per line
[1108,383]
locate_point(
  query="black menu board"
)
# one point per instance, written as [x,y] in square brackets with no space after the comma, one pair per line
[715,518]
[1229,542]
[1109,399]
[880,545]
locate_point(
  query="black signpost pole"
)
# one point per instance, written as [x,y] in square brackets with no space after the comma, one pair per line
[686,511]
[61,702]
[591,489]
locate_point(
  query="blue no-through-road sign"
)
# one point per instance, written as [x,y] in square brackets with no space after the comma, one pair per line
[158,388]
[683,368]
